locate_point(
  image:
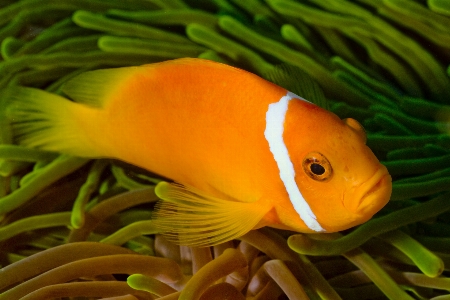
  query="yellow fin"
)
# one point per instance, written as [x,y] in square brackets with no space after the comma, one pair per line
[47,121]
[94,88]
[188,217]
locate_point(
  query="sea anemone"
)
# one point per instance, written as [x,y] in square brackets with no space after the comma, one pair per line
[81,229]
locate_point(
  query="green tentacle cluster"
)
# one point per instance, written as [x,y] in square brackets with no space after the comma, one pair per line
[71,227]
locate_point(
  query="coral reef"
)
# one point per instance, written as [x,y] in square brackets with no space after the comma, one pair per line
[80,229]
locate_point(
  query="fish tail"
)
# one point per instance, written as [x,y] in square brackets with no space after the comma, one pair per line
[47,121]
[188,217]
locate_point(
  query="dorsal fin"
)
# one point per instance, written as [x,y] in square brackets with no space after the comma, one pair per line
[95,87]
[298,82]
[189,217]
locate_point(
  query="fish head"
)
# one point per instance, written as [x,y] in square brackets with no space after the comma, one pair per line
[337,174]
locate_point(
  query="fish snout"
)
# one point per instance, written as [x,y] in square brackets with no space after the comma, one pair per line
[370,196]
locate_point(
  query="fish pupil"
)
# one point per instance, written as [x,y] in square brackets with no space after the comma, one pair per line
[317,169]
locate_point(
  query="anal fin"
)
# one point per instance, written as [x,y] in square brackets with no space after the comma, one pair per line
[188,217]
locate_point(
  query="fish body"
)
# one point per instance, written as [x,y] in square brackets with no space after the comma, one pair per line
[243,152]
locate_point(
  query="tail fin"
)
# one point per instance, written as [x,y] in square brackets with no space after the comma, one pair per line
[49,122]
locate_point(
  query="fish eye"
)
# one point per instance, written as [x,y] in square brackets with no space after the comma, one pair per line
[317,169]
[317,166]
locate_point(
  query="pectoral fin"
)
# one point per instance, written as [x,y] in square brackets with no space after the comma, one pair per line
[189,217]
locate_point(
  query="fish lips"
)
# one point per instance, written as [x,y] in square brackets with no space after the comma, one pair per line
[370,196]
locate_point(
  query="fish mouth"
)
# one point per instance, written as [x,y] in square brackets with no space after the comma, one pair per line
[372,195]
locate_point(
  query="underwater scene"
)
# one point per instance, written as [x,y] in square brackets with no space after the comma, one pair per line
[74,227]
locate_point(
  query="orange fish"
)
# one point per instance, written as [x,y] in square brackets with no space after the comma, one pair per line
[243,152]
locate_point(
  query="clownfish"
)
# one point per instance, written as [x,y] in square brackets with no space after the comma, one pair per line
[242,152]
